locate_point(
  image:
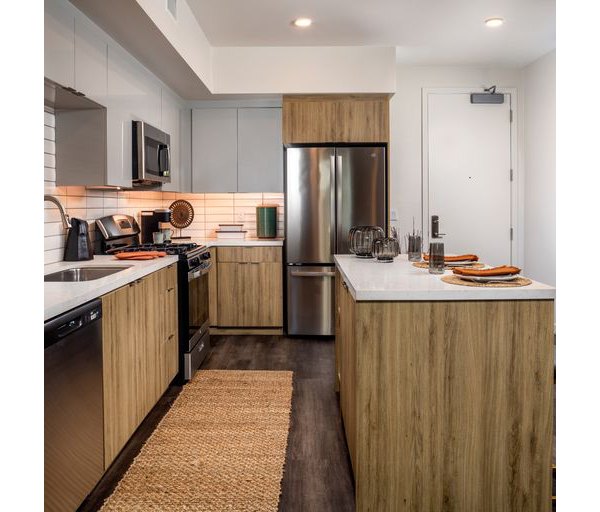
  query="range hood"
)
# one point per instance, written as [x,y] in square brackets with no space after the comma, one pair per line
[80,136]
[58,97]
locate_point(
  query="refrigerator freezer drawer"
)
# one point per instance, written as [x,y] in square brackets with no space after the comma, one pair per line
[310,300]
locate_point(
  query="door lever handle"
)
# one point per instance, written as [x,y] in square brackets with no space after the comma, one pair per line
[435,226]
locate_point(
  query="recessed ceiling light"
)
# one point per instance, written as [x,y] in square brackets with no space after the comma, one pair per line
[494,22]
[302,22]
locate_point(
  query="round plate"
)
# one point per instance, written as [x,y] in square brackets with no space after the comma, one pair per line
[182,214]
[487,279]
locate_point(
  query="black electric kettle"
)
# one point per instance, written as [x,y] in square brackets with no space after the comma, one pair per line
[79,246]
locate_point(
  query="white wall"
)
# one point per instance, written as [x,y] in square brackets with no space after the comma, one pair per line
[185,34]
[405,133]
[309,69]
[539,84]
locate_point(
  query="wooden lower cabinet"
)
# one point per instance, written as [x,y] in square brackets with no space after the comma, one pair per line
[250,289]
[140,353]
[447,405]
[346,351]
[212,289]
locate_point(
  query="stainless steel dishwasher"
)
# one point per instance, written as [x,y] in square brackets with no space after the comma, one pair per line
[73,416]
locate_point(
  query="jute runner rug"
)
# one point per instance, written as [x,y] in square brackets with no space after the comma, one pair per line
[221,447]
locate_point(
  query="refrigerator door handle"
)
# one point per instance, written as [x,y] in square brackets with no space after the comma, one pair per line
[332,207]
[339,182]
[296,273]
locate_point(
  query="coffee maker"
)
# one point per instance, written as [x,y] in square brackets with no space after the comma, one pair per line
[150,220]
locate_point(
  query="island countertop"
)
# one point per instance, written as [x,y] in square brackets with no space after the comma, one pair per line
[370,280]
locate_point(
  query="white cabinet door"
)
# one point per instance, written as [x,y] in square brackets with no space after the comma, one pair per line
[260,150]
[91,67]
[214,150]
[170,125]
[133,94]
[185,149]
[59,42]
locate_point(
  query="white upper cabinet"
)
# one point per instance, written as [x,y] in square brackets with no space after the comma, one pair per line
[80,55]
[260,150]
[171,112]
[214,150]
[237,150]
[59,42]
[133,93]
[185,149]
[91,66]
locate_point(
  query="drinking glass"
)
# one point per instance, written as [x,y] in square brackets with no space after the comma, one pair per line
[414,247]
[436,258]
[158,237]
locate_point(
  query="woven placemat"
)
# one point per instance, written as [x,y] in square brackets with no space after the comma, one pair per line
[519,281]
[424,264]
[220,447]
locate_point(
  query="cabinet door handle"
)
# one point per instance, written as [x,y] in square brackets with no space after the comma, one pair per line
[170,289]
[344,284]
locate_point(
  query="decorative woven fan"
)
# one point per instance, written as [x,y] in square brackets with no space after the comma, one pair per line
[182,215]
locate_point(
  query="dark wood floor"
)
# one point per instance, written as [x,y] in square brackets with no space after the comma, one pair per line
[317,475]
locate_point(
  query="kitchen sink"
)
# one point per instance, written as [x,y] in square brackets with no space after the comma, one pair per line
[83,274]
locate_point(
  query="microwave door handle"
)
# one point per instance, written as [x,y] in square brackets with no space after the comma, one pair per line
[163,170]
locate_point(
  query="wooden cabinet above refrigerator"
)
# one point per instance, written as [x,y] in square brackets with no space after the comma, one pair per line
[336,118]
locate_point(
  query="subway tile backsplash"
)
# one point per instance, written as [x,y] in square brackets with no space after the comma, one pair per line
[210,210]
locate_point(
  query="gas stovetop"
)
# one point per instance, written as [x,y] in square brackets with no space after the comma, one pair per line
[181,249]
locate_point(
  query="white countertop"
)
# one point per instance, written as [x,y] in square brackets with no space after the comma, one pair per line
[239,242]
[370,280]
[61,297]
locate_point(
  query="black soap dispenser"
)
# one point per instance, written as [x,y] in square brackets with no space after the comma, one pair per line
[78,246]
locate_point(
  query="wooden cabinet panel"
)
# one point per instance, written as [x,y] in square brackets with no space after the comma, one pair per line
[230,299]
[120,383]
[214,150]
[169,357]
[347,367]
[59,42]
[463,390]
[336,118]
[140,353]
[362,120]
[267,296]
[306,120]
[212,289]
[250,294]
[250,254]
[260,151]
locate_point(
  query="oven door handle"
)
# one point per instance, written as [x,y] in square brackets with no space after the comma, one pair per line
[195,274]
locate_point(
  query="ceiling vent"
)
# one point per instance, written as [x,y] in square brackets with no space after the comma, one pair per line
[172,8]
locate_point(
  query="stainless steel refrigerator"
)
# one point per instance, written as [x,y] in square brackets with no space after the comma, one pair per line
[329,189]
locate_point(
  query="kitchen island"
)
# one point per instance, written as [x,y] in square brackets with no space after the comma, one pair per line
[445,390]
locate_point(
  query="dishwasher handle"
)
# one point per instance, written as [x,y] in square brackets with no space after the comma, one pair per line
[68,323]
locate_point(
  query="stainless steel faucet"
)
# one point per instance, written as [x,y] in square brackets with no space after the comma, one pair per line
[66,221]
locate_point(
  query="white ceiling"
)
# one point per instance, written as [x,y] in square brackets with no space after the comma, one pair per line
[424,31]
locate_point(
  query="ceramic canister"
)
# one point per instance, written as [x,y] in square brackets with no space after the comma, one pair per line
[266,221]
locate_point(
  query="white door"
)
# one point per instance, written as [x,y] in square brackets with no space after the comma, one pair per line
[468,177]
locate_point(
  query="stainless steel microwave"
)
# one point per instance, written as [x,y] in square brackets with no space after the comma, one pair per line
[151,155]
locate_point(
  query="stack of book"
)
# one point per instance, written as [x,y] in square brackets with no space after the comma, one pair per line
[231,231]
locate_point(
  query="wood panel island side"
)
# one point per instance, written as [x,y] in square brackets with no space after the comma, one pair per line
[445,390]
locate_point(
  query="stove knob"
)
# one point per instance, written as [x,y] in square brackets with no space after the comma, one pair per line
[205,256]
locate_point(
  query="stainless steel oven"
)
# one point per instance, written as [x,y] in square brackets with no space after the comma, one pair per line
[194,337]
[151,155]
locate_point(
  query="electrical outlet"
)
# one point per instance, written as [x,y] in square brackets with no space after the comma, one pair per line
[393,214]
